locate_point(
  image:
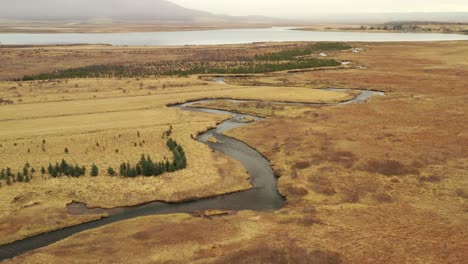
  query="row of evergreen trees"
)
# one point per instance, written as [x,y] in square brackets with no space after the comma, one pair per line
[292,54]
[25,176]
[261,64]
[147,167]
[64,169]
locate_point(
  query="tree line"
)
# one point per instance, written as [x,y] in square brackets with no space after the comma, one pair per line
[293,54]
[145,167]
[280,61]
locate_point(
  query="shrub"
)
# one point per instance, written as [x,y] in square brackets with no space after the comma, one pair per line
[19,177]
[111,171]
[462,193]
[94,171]
[322,185]
[389,168]
[431,178]
[383,197]
[350,196]
[296,191]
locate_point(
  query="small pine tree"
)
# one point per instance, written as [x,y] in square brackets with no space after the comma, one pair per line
[123,169]
[19,177]
[43,170]
[33,170]
[111,171]
[66,150]
[63,166]
[94,171]
[58,170]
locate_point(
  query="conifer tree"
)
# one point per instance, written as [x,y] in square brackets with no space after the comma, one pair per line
[94,171]
[123,169]
[19,177]
[111,171]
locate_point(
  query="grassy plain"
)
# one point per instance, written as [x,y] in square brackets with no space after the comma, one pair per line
[380,182]
[107,122]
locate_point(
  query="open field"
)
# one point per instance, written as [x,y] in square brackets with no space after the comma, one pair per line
[34,60]
[380,182]
[107,122]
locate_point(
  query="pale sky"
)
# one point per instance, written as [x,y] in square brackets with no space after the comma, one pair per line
[288,8]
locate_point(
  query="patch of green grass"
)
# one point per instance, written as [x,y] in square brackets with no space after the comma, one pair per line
[181,69]
[292,54]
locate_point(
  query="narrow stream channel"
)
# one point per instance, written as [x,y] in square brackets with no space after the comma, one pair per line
[264,196]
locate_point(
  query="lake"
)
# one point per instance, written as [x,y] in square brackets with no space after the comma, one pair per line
[215,37]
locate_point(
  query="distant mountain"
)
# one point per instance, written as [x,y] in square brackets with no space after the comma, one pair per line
[72,10]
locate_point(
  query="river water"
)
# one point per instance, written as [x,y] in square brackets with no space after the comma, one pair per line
[264,196]
[216,37]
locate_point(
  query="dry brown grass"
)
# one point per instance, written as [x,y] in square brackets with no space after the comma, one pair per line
[372,218]
[107,122]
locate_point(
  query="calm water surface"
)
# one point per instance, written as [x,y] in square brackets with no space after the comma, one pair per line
[215,37]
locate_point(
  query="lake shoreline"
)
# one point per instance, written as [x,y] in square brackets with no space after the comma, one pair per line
[218,37]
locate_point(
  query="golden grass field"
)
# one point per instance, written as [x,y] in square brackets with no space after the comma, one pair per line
[100,122]
[380,182]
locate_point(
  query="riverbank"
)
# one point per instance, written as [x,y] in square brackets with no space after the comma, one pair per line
[34,132]
[364,183]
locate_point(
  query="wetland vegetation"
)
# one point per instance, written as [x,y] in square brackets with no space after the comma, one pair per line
[145,167]
[364,171]
[288,59]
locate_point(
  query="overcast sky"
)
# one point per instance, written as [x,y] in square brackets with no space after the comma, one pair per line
[288,8]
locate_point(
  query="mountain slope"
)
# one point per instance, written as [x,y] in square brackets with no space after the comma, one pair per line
[154,10]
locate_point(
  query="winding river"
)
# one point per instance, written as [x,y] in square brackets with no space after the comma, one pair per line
[264,195]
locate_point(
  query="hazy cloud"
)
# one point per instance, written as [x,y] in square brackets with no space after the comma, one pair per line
[163,10]
[301,8]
